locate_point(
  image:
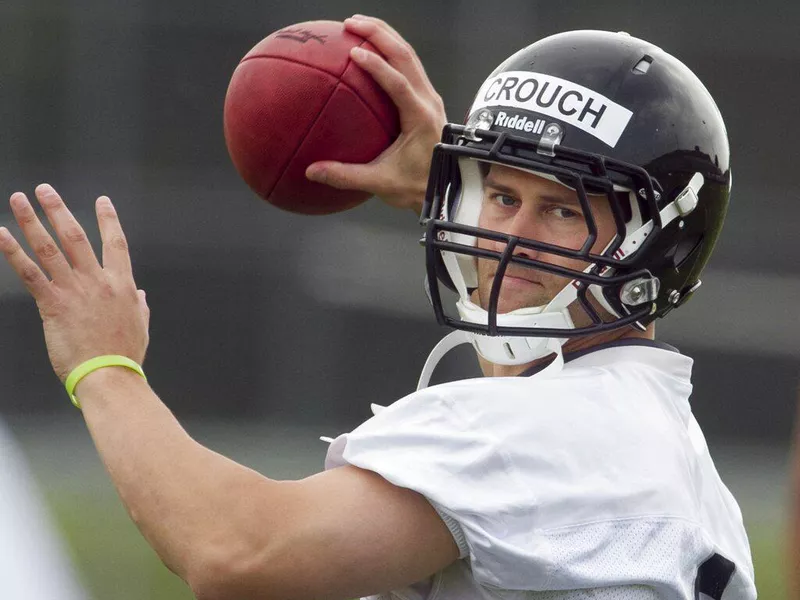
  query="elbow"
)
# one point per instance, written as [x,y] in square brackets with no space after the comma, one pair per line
[211,588]
[209,578]
[234,575]
[240,560]
[216,582]
[217,579]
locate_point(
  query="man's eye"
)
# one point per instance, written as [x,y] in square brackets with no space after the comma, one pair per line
[564,213]
[505,199]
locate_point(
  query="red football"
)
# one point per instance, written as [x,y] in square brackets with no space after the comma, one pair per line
[297,98]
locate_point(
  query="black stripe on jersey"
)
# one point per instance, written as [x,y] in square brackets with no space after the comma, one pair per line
[713,577]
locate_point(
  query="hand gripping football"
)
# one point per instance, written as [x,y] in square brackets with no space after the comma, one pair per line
[297,98]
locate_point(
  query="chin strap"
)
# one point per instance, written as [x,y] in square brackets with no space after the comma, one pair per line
[518,350]
[447,343]
[458,337]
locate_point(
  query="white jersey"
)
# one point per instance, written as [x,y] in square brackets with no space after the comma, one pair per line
[594,482]
[32,563]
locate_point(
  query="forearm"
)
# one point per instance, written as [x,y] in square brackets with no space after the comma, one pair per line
[193,506]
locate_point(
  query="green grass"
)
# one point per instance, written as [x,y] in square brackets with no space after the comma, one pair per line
[115,561]
[766,544]
[112,557]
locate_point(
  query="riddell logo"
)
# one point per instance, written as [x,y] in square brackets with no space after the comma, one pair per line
[300,35]
[520,123]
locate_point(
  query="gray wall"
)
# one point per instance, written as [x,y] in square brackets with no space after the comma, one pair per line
[260,314]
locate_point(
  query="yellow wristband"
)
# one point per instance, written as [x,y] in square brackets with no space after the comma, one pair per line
[98,362]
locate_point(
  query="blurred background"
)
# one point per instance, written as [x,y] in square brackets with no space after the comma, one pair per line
[271,329]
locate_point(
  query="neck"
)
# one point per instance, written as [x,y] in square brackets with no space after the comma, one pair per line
[573,345]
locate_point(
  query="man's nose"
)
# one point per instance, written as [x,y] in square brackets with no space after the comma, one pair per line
[525,226]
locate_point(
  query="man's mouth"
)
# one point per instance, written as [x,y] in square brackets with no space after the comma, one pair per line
[509,281]
[517,279]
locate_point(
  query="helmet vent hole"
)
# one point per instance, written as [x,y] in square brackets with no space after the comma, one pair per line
[643,65]
[509,351]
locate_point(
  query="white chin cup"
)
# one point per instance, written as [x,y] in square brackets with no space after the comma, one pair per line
[514,350]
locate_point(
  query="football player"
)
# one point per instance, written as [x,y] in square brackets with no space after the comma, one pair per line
[578,203]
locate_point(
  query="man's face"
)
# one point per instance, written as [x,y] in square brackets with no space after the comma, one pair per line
[528,206]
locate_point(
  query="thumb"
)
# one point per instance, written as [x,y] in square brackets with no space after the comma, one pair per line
[344,176]
[143,305]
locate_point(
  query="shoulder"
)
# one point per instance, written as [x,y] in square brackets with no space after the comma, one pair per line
[543,433]
[590,400]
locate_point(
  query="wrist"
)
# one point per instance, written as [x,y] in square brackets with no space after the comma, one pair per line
[100,380]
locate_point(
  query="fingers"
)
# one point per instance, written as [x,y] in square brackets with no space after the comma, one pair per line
[143,305]
[40,241]
[70,233]
[344,176]
[398,51]
[28,271]
[116,256]
[394,83]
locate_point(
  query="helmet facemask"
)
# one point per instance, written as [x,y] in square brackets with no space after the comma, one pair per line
[592,275]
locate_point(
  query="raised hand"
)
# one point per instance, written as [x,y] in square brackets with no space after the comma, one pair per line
[399,176]
[87,309]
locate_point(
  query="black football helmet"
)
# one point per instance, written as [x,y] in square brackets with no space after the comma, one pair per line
[602,113]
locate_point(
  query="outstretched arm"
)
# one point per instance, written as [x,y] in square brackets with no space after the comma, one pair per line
[225,529]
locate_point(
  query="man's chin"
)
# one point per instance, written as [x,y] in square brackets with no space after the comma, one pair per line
[508,303]
[515,293]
